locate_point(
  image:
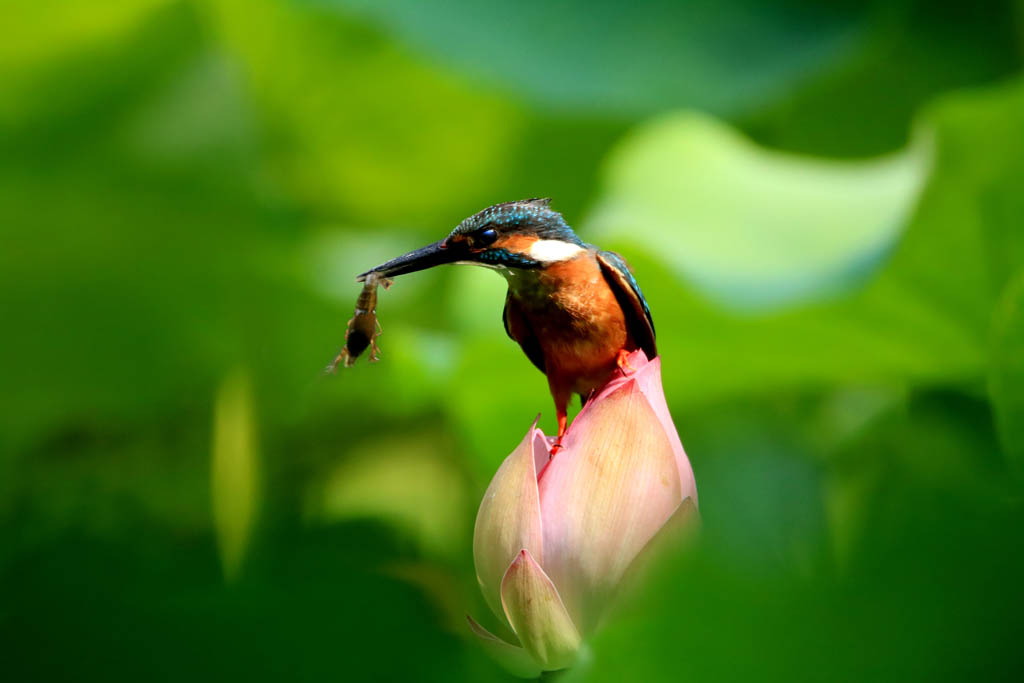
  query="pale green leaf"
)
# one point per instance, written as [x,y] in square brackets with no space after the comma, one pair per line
[749,227]
[235,471]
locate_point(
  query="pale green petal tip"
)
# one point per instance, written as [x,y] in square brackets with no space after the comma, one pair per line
[537,614]
[511,658]
[508,520]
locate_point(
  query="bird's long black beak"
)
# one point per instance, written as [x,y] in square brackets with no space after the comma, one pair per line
[435,254]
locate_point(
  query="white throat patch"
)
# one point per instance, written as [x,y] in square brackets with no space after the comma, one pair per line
[551,251]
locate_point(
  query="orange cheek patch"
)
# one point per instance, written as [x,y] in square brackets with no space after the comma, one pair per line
[516,244]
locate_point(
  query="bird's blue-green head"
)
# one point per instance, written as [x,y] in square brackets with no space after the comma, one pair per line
[521,235]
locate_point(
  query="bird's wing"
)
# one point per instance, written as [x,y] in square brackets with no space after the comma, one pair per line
[517,327]
[638,315]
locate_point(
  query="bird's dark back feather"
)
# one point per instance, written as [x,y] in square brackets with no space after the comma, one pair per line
[638,314]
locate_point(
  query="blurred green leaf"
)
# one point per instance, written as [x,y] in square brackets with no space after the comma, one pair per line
[911,52]
[66,66]
[407,481]
[357,125]
[49,29]
[752,228]
[940,440]
[922,317]
[201,119]
[1006,374]
[611,58]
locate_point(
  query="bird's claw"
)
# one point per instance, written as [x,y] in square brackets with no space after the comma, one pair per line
[622,360]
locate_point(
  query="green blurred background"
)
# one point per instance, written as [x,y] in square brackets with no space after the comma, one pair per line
[823,203]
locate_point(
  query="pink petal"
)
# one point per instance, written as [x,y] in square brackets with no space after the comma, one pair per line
[512,658]
[509,517]
[647,374]
[649,378]
[605,495]
[537,615]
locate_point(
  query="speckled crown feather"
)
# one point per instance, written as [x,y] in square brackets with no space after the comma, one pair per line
[534,216]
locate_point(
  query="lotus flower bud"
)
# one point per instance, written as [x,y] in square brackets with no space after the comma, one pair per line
[554,536]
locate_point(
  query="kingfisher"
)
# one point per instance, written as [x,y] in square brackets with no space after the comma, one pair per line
[576,311]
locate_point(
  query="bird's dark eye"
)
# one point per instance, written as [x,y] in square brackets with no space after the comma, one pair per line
[485,237]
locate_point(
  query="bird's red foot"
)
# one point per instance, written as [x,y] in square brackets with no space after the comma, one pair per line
[622,360]
[563,421]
